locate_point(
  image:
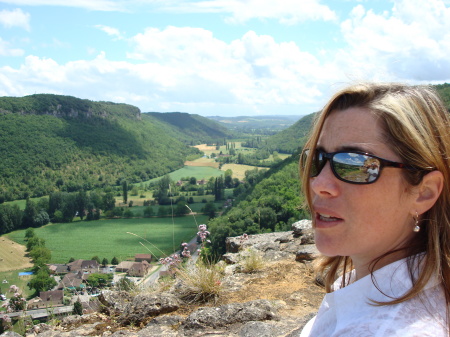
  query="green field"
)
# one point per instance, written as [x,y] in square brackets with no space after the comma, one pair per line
[199,172]
[109,238]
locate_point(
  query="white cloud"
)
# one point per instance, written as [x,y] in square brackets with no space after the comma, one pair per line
[411,43]
[6,50]
[111,31]
[286,11]
[15,18]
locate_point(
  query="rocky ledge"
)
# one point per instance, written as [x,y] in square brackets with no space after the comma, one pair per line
[276,300]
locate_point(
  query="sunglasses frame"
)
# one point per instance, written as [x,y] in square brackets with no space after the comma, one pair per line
[328,156]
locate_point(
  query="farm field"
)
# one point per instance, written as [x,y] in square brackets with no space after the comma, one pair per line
[203,162]
[239,170]
[109,238]
[12,256]
[199,172]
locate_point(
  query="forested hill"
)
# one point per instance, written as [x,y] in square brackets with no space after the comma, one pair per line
[51,142]
[190,128]
[288,140]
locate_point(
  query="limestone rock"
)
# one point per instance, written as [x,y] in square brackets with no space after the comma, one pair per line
[114,302]
[307,253]
[300,226]
[148,305]
[258,310]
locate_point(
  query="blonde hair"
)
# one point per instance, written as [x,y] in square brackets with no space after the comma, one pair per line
[416,126]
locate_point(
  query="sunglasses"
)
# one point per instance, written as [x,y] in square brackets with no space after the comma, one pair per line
[350,166]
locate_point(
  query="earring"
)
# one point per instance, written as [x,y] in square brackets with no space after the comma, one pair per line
[416,225]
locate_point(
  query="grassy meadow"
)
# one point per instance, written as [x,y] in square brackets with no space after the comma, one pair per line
[109,238]
[199,172]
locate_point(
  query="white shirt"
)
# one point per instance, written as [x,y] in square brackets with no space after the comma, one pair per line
[348,312]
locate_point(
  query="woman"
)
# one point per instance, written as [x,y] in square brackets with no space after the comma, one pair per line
[385,241]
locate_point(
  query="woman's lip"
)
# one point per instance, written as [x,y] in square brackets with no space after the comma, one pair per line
[326,218]
[325,222]
[326,211]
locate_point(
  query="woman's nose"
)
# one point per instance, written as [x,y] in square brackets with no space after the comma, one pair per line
[325,183]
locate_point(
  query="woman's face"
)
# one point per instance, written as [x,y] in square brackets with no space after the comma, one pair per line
[360,221]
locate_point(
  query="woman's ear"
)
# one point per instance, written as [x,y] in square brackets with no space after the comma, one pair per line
[429,191]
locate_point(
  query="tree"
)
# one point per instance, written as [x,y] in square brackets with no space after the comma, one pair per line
[108,201]
[42,281]
[148,211]
[96,258]
[210,209]
[34,242]
[29,214]
[104,262]
[82,202]
[99,280]
[41,219]
[218,189]
[125,191]
[181,208]
[29,233]
[78,308]
[125,284]
[114,261]
[228,181]
[162,188]
[40,255]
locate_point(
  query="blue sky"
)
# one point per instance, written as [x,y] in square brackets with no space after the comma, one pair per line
[219,57]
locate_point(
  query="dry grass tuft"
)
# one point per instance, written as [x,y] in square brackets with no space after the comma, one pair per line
[251,261]
[201,282]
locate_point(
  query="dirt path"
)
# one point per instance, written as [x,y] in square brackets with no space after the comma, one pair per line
[12,256]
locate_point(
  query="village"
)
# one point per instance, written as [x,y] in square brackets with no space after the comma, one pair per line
[82,281]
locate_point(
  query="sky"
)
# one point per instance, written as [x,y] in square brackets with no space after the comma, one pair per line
[219,57]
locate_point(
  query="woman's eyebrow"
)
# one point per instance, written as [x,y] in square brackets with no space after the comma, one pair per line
[363,147]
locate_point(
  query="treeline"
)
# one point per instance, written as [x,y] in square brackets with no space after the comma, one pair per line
[268,201]
[58,207]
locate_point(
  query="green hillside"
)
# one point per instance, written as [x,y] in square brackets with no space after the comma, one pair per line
[190,128]
[444,92]
[51,142]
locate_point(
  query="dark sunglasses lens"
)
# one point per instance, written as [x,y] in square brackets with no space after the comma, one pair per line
[317,163]
[356,168]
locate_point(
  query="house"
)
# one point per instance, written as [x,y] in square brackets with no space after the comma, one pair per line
[73,280]
[136,269]
[143,257]
[87,266]
[58,269]
[123,266]
[47,299]
[139,269]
